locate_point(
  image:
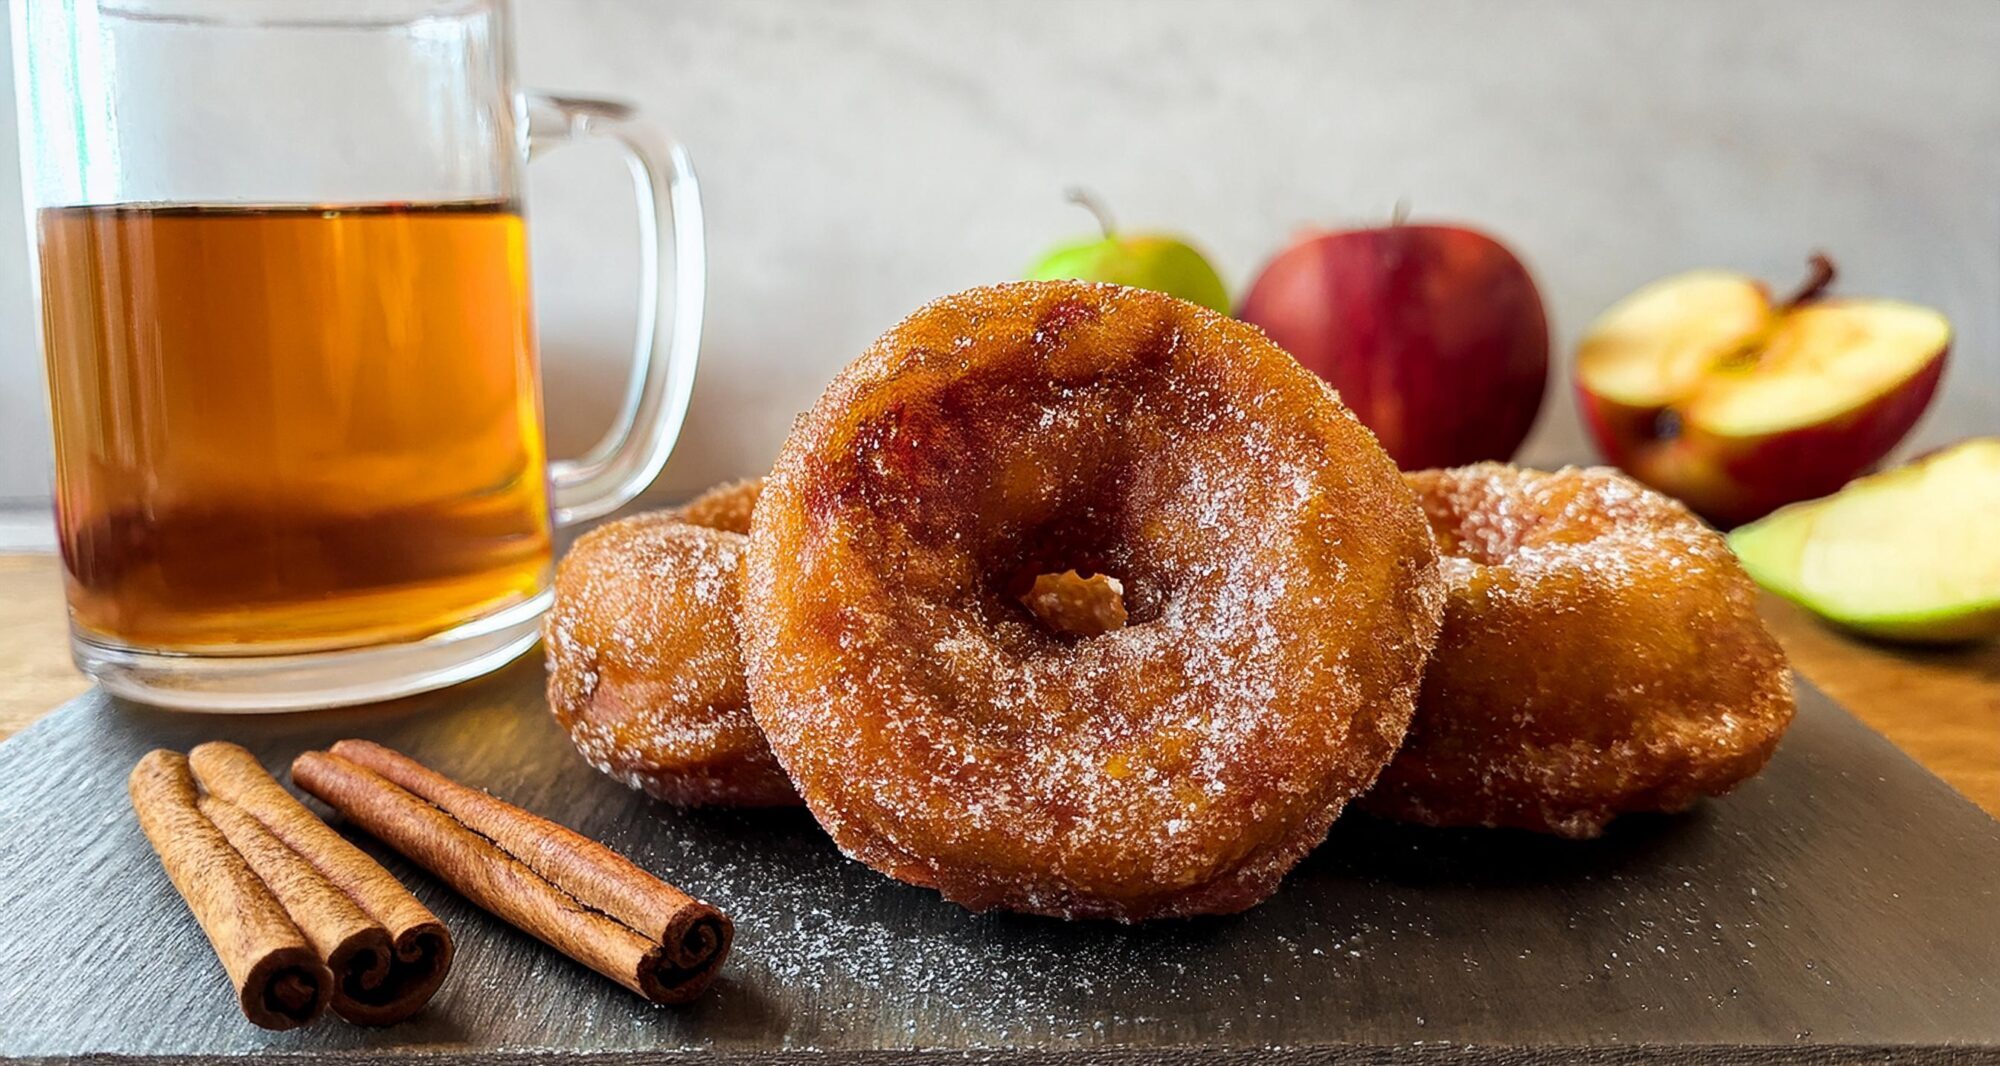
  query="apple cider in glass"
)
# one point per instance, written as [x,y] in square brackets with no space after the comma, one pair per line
[293,428]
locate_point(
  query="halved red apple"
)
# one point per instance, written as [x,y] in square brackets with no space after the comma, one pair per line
[1704,388]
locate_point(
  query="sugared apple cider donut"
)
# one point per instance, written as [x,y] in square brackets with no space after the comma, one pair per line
[645,669]
[1279,594]
[1601,654]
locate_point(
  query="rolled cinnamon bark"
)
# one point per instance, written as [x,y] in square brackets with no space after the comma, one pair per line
[694,933]
[279,978]
[387,951]
[572,893]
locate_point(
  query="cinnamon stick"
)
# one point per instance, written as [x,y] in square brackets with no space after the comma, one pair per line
[279,978]
[597,876]
[387,951]
[569,891]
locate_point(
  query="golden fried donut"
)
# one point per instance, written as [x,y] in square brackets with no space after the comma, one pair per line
[726,507]
[1601,654]
[1279,585]
[645,671]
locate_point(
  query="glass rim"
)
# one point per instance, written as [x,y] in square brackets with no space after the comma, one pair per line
[295,14]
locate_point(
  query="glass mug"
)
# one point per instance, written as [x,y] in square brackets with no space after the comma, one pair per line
[291,358]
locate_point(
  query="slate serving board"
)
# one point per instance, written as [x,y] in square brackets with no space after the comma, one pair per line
[1840,908]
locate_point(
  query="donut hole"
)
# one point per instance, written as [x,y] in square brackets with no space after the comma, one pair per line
[1077,574]
[1076,605]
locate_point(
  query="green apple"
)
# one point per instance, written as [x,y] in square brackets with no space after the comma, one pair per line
[1143,260]
[1908,554]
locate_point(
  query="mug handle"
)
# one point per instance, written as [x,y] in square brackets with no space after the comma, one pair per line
[630,454]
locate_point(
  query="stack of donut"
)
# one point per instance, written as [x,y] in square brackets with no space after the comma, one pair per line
[1084,601]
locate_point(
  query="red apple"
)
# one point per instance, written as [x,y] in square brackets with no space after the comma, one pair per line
[1434,335]
[1704,388]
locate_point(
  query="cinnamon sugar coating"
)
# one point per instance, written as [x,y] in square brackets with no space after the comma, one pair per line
[645,668]
[1280,585]
[1601,653]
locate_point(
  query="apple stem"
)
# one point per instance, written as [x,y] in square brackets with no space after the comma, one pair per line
[1820,274]
[1400,213]
[1083,198]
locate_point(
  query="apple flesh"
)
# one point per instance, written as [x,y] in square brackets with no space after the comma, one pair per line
[1434,336]
[1909,554]
[1142,261]
[1704,388]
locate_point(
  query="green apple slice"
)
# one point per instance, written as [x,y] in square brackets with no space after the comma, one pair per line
[1908,554]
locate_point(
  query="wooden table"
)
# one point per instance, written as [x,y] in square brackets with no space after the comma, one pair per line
[1940,706]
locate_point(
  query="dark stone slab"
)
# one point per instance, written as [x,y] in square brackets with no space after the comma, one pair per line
[1840,908]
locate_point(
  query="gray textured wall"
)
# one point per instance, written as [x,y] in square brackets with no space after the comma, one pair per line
[862,157]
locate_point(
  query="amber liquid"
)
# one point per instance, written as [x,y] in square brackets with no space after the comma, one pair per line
[293,428]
